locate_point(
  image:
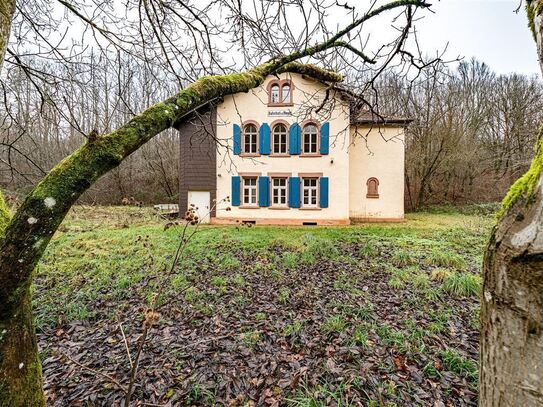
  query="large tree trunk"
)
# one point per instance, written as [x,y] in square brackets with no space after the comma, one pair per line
[20,377]
[511,368]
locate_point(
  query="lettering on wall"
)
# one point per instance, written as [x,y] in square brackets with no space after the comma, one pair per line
[280,113]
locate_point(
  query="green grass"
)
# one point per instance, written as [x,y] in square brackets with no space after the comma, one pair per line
[456,362]
[463,284]
[440,258]
[95,250]
[334,324]
[281,285]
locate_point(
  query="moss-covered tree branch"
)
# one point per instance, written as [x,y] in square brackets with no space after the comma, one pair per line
[29,231]
[5,215]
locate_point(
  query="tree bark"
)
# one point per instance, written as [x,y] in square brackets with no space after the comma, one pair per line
[7,8]
[21,369]
[511,363]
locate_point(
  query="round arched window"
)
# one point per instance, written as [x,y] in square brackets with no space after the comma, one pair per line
[373,188]
[285,93]
[274,94]
[279,134]
[310,135]
[250,138]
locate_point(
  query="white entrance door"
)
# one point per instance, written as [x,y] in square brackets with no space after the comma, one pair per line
[201,200]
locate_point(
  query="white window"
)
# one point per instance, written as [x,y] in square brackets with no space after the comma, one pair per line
[279,139]
[309,190]
[249,191]
[285,94]
[310,135]
[279,191]
[274,94]
[250,139]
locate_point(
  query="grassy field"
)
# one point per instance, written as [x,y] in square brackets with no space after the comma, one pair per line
[374,314]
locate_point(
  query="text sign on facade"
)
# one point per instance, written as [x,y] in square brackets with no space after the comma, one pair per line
[279,113]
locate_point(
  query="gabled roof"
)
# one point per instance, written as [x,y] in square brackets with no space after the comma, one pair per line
[365,116]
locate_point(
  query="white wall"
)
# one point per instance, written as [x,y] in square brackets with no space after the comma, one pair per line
[380,153]
[253,106]
[354,159]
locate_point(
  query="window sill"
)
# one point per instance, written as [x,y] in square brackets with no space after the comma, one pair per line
[279,155]
[279,208]
[310,155]
[248,207]
[249,155]
[372,196]
[310,209]
[280,104]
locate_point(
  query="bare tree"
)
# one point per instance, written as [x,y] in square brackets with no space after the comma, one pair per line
[149,36]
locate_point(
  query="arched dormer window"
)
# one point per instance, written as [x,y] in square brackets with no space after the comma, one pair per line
[373,188]
[280,92]
[274,94]
[285,93]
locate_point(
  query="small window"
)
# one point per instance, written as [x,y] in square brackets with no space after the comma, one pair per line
[249,191]
[280,92]
[373,188]
[279,139]
[285,93]
[309,191]
[310,135]
[279,191]
[274,94]
[250,139]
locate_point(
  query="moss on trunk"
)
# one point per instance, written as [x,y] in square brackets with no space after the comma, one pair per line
[20,375]
[525,187]
[5,215]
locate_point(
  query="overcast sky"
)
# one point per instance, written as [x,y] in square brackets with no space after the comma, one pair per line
[490,30]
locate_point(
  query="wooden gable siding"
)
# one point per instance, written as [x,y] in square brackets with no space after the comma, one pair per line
[198,157]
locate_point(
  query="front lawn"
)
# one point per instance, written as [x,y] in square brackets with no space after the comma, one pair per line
[375,314]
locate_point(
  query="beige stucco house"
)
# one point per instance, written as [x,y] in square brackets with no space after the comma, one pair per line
[292,152]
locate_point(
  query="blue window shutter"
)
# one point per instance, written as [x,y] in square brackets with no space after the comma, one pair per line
[237,139]
[325,138]
[323,192]
[294,192]
[294,139]
[236,181]
[264,138]
[263,191]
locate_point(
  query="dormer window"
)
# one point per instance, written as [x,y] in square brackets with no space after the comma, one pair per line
[285,93]
[274,94]
[280,93]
